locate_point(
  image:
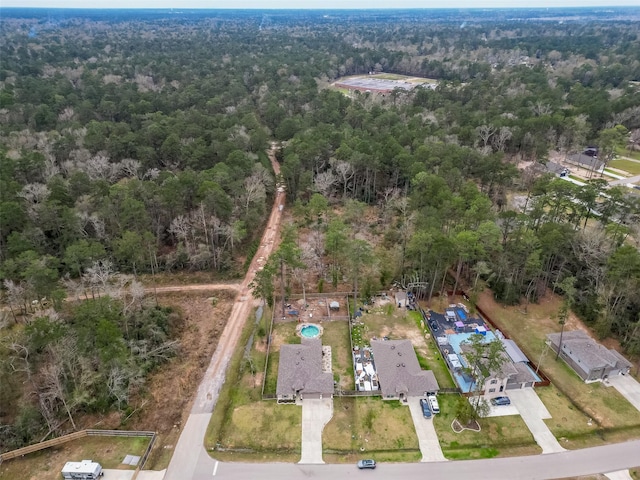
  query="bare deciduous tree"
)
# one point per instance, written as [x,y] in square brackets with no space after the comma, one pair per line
[324,182]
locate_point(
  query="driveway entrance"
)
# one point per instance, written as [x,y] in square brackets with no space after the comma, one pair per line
[426,432]
[628,387]
[316,413]
[533,411]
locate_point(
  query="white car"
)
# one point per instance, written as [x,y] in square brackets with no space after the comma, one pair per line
[433,403]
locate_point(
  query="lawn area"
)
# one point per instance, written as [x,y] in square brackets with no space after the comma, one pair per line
[499,436]
[370,426]
[46,464]
[336,335]
[614,418]
[624,152]
[626,165]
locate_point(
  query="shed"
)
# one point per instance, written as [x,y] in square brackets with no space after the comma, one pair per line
[334,305]
[84,470]
[481,330]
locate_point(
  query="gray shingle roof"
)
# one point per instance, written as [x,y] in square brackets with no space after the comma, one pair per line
[592,163]
[590,353]
[399,371]
[300,369]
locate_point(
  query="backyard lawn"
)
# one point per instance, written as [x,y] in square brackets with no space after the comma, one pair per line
[336,335]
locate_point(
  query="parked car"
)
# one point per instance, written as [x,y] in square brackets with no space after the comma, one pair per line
[500,401]
[368,463]
[426,411]
[433,403]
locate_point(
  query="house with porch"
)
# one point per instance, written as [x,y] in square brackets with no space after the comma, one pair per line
[301,373]
[399,372]
[590,360]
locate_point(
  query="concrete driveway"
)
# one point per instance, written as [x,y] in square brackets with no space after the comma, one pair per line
[316,413]
[426,432]
[628,387]
[533,411]
[114,474]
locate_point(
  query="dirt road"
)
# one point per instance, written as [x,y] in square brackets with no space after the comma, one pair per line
[200,287]
[189,453]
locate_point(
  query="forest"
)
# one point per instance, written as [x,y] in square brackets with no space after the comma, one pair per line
[135,143]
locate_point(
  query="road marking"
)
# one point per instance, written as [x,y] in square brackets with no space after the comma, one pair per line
[215,469]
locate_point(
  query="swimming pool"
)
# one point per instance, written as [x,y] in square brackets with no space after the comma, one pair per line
[309,331]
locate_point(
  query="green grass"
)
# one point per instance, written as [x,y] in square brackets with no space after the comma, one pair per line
[498,437]
[626,165]
[370,426]
[46,464]
[336,335]
[430,359]
[626,153]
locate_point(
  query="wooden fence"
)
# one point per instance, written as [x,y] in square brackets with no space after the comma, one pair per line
[54,442]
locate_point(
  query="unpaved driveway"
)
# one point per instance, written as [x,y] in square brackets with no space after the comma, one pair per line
[426,432]
[533,411]
[316,413]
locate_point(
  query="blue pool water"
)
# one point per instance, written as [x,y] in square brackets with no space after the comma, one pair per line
[310,331]
[456,339]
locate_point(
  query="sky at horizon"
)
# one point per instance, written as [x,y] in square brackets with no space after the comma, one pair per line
[314,4]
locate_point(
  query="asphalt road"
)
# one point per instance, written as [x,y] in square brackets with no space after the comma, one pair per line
[537,467]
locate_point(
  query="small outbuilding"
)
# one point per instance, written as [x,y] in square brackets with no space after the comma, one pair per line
[334,305]
[84,470]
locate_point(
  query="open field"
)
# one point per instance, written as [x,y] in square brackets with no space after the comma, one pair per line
[499,436]
[46,464]
[370,426]
[626,165]
[573,402]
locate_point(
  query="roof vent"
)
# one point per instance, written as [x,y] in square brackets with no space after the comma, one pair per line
[393,347]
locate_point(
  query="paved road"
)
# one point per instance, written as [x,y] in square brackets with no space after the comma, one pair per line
[537,467]
[189,457]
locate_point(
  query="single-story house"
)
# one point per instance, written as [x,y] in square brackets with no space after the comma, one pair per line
[590,360]
[300,372]
[399,372]
[586,161]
